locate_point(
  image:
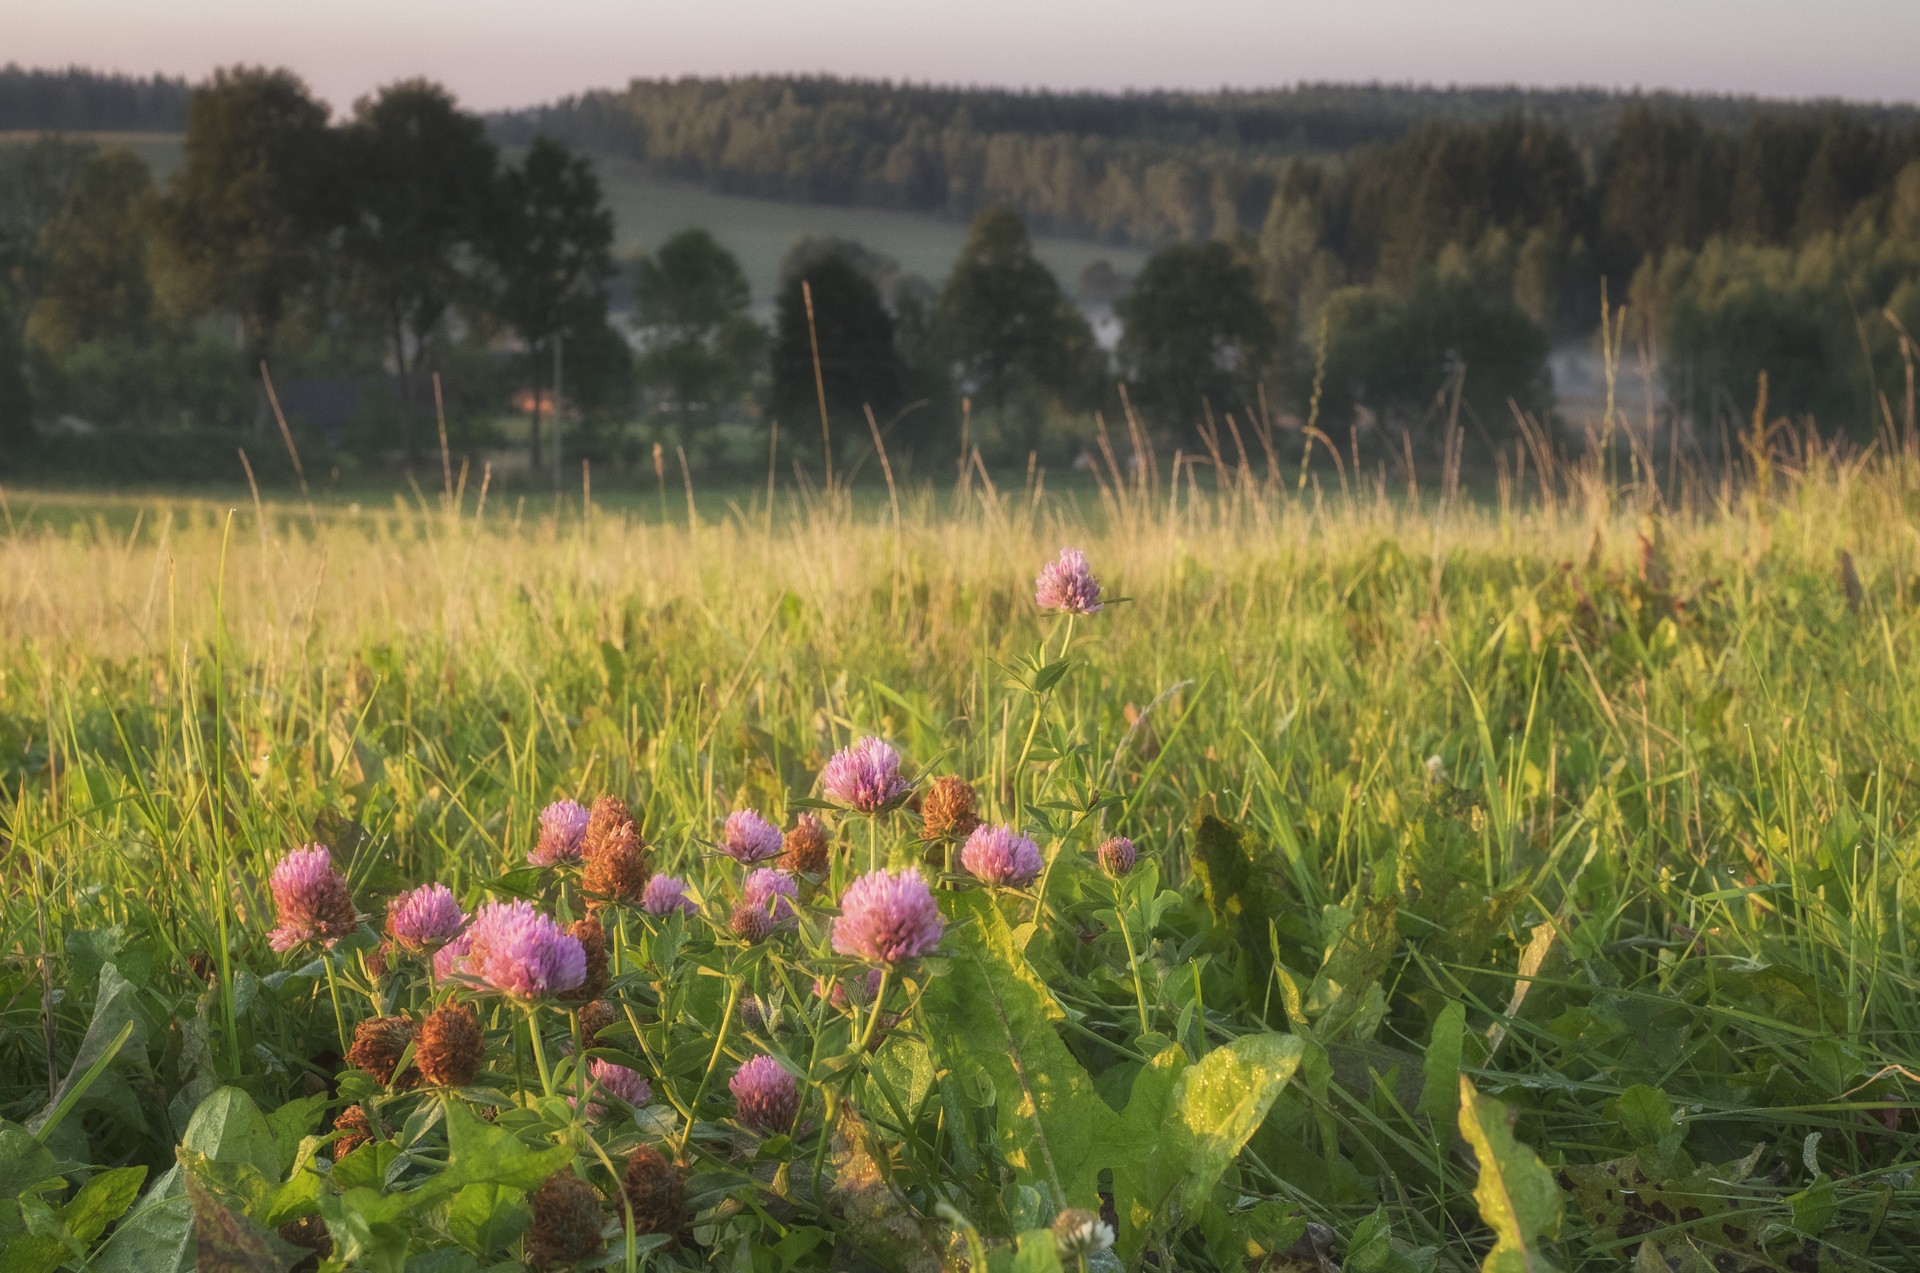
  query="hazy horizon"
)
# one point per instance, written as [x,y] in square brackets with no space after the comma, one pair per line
[498,57]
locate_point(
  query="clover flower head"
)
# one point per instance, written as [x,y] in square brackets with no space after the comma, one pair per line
[1117,856]
[425,917]
[1067,584]
[749,838]
[774,892]
[887,918]
[1001,857]
[665,894]
[766,1097]
[311,900]
[518,952]
[864,776]
[563,834]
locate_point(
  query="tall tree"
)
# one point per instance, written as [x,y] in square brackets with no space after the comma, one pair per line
[859,362]
[241,231]
[36,182]
[690,302]
[96,280]
[553,247]
[1009,326]
[1196,331]
[423,176]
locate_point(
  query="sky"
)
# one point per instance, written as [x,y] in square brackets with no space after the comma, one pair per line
[496,54]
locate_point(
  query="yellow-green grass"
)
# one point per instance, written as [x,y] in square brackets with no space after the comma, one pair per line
[1676,733]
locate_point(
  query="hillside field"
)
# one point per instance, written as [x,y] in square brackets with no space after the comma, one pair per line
[1524,883]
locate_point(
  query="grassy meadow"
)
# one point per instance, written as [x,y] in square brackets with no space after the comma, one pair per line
[1521,881]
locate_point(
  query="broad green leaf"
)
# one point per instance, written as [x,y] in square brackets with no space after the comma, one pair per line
[1132,1138]
[156,1237]
[998,1019]
[1355,961]
[101,1201]
[1644,1113]
[1220,1101]
[1518,1197]
[485,1218]
[229,1128]
[1440,1088]
[24,1162]
[1037,1253]
[115,1032]
[294,1122]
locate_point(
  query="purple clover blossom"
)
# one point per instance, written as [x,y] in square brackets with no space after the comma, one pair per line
[1067,584]
[887,918]
[563,830]
[665,894]
[765,1095]
[1001,857]
[618,1082]
[774,892]
[749,838]
[1117,856]
[451,959]
[310,898]
[520,953]
[864,776]
[427,916]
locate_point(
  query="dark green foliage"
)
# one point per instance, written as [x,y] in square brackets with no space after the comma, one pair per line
[859,364]
[418,220]
[690,302]
[1012,333]
[552,245]
[1401,357]
[1197,333]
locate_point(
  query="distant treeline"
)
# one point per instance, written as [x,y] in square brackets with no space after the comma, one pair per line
[77,100]
[1151,168]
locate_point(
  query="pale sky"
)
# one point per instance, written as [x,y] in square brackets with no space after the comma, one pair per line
[497,54]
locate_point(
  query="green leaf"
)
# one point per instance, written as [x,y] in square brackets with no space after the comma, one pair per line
[998,1021]
[1517,1195]
[1354,963]
[1037,1253]
[293,1123]
[1132,1139]
[485,1218]
[156,1237]
[101,1201]
[1220,1101]
[229,1128]
[115,1022]
[24,1162]
[1440,1088]
[1644,1113]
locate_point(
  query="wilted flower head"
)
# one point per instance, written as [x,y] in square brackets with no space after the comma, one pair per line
[563,832]
[842,992]
[774,892]
[615,855]
[887,918]
[1001,857]
[566,1222]
[1067,584]
[310,898]
[619,1082]
[765,1096]
[1117,856]
[750,923]
[356,1130]
[592,936]
[450,1046]
[450,959]
[805,847]
[1078,1232]
[655,1193]
[749,838]
[864,776]
[665,894]
[378,1045]
[523,954]
[427,916]
[949,809]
